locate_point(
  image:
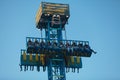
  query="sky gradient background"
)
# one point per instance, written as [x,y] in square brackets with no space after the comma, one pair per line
[97,21]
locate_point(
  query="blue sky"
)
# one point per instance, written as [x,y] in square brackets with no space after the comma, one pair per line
[97,21]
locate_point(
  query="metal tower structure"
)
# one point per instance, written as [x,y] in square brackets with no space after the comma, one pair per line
[53,52]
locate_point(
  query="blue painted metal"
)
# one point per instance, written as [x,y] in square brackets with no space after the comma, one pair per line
[56,72]
[48,31]
[59,32]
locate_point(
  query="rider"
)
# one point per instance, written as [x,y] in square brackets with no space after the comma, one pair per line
[36,43]
[88,49]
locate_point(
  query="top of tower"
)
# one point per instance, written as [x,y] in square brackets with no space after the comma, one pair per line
[54,13]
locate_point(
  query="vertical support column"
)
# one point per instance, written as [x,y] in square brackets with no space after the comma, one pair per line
[47,31]
[62,70]
[50,75]
[59,32]
[58,74]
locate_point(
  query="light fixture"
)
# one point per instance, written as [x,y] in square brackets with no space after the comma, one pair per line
[67,16]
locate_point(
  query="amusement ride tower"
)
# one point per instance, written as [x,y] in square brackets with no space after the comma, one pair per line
[52,52]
